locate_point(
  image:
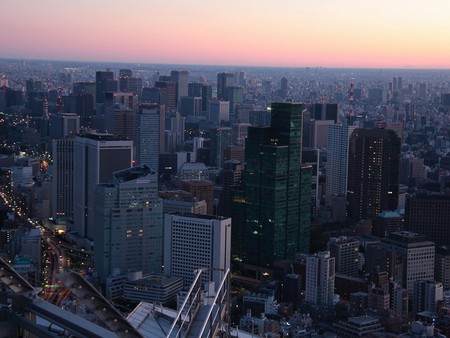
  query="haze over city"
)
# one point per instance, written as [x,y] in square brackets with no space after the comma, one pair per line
[350,33]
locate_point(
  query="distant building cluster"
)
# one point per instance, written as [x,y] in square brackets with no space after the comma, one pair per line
[319,191]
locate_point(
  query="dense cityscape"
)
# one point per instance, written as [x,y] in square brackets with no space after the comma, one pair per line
[152,200]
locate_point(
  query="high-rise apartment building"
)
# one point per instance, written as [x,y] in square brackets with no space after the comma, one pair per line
[63,177]
[128,218]
[150,134]
[277,189]
[373,172]
[193,242]
[96,157]
[320,278]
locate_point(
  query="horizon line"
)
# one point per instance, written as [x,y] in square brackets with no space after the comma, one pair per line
[406,67]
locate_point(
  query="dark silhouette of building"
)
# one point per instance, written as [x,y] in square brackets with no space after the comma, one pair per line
[373,172]
[277,189]
[429,215]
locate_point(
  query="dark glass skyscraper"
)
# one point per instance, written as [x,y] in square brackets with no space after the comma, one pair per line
[277,189]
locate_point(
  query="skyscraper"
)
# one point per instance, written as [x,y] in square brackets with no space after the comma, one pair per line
[194,242]
[96,157]
[220,139]
[277,189]
[224,80]
[373,172]
[150,134]
[181,78]
[63,176]
[129,223]
[337,159]
[167,94]
[103,83]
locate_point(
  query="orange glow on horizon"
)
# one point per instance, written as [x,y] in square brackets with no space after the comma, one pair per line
[328,33]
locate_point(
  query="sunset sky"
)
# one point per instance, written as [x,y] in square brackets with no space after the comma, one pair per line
[327,33]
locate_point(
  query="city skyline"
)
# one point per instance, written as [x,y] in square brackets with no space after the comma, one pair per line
[401,34]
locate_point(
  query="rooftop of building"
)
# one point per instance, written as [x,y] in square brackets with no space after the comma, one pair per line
[190,215]
[133,173]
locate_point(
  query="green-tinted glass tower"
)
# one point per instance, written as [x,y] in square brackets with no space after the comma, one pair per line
[277,189]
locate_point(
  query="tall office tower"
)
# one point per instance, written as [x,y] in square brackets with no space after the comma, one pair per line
[168,94]
[190,106]
[260,118]
[337,159]
[429,215]
[220,139]
[62,125]
[96,157]
[201,90]
[311,157]
[373,172]
[84,107]
[320,275]
[224,80]
[426,295]
[410,257]
[234,94]
[102,85]
[400,84]
[194,242]
[442,266]
[124,75]
[153,95]
[150,134]
[219,111]
[239,133]
[231,177]
[234,152]
[84,88]
[203,190]
[277,189]
[319,133]
[346,253]
[181,78]
[321,111]
[63,176]
[175,123]
[283,88]
[121,121]
[267,90]
[128,217]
